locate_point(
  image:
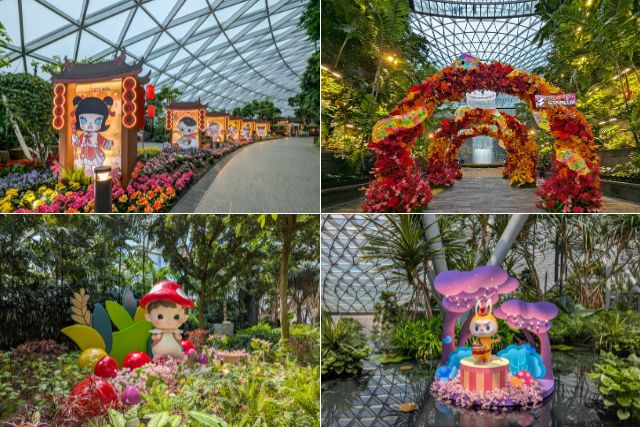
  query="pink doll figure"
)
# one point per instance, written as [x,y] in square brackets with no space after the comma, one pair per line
[166,305]
[91,118]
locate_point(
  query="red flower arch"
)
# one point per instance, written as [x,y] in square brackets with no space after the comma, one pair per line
[443,151]
[400,186]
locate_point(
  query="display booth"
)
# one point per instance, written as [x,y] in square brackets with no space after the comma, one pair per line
[97,111]
[248,132]
[263,129]
[217,126]
[185,121]
[473,376]
[234,129]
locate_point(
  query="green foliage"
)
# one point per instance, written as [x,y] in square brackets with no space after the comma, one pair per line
[4,40]
[74,177]
[343,349]
[32,379]
[608,330]
[306,102]
[388,313]
[419,339]
[29,99]
[618,380]
[263,110]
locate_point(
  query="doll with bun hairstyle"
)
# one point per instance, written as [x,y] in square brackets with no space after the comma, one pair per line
[166,305]
[91,118]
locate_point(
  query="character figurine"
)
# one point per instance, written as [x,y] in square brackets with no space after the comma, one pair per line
[233,133]
[483,326]
[213,132]
[188,130]
[244,135]
[91,118]
[166,306]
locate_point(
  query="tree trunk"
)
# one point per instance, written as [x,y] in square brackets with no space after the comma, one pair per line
[16,130]
[288,228]
[448,333]
[465,333]
[202,295]
[545,352]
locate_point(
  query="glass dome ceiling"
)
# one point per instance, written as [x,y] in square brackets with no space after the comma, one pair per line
[492,30]
[351,284]
[226,52]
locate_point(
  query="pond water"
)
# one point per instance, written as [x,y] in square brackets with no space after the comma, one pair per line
[373,399]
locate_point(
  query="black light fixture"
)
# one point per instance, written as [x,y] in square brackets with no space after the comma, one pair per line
[102,189]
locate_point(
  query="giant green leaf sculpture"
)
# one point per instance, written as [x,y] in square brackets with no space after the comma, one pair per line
[96,331]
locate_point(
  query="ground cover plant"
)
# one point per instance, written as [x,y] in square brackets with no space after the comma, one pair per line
[269,387]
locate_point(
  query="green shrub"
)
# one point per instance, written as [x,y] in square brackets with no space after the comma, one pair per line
[618,380]
[30,100]
[343,349]
[419,339]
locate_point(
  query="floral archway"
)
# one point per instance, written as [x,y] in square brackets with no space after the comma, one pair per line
[443,151]
[400,186]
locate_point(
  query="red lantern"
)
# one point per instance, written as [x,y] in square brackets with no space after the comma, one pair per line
[151,111]
[150,92]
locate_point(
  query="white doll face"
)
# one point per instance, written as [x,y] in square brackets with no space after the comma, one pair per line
[167,317]
[184,129]
[483,328]
[91,122]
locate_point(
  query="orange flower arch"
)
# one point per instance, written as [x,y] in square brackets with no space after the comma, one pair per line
[400,186]
[443,151]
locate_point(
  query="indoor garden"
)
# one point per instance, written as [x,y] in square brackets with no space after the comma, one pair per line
[433,105]
[164,97]
[480,320]
[88,306]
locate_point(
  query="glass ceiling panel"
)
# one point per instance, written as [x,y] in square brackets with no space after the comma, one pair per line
[351,284]
[492,30]
[226,46]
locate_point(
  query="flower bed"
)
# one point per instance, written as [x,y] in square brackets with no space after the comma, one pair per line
[158,178]
[399,186]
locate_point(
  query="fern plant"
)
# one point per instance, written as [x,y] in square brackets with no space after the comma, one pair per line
[343,350]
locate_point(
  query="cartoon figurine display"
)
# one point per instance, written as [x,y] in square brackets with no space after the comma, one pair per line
[483,326]
[245,134]
[166,306]
[91,118]
[213,132]
[233,133]
[188,129]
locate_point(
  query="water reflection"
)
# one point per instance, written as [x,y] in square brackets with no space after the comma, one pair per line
[374,399]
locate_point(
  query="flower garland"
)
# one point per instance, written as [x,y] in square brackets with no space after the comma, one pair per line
[443,151]
[400,186]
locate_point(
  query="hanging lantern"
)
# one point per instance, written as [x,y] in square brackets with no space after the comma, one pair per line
[151,111]
[150,92]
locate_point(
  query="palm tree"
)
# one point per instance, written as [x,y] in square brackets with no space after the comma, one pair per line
[402,250]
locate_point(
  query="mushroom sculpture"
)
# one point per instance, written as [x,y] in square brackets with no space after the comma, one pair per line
[532,317]
[461,290]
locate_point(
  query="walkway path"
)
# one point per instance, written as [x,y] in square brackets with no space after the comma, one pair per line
[482,190]
[277,176]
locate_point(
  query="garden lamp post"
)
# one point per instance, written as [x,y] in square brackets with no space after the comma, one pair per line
[102,189]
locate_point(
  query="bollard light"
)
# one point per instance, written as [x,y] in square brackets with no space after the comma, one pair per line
[102,189]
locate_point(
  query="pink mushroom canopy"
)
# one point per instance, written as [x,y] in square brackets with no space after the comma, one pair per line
[461,289]
[531,316]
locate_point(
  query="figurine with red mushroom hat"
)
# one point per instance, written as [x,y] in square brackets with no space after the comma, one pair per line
[166,305]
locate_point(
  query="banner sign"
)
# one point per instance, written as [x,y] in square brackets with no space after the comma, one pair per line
[565,99]
[466,61]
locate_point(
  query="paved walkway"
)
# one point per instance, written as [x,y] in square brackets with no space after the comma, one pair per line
[278,176]
[482,190]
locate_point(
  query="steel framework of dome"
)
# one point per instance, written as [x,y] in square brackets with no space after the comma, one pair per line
[226,52]
[491,30]
[351,284]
